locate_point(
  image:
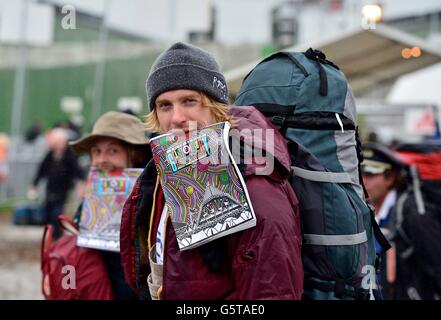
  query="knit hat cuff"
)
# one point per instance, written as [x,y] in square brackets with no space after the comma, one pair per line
[186,76]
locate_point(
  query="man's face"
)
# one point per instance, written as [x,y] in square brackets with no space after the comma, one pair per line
[109,154]
[57,140]
[176,108]
[377,186]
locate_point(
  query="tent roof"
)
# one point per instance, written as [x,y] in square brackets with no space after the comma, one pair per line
[367,57]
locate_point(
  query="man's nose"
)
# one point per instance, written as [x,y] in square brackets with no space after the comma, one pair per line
[100,159]
[179,117]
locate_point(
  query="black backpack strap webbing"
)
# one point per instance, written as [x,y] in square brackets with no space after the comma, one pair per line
[379,236]
[319,57]
[282,116]
[339,287]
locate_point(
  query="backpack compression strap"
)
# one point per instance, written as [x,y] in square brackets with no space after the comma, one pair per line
[340,288]
[321,176]
[340,177]
[283,117]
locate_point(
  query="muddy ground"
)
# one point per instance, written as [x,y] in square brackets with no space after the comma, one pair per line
[20,276]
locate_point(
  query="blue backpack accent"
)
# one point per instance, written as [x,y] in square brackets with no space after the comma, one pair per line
[28,214]
[309,100]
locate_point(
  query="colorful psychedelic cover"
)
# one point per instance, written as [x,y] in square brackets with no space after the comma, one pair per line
[103,202]
[205,193]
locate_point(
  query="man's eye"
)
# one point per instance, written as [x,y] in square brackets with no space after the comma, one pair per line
[163,106]
[190,101]
[113,151]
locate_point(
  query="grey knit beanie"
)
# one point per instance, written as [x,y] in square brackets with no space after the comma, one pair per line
[183,66]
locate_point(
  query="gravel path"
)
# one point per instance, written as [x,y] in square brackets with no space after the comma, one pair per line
[20,276]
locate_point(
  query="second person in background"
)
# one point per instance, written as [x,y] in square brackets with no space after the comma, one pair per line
[117,142]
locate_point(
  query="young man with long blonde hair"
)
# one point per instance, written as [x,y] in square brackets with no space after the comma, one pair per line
[184,88]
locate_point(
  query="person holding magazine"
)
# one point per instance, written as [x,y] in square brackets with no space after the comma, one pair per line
[187,94]
[117,142]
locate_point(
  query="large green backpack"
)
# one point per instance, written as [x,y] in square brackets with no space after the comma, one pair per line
[309,100]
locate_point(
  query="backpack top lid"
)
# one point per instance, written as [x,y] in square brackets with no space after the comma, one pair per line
[425,156]
[305,80]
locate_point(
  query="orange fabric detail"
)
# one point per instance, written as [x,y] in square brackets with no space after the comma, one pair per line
[429,165]
[391,265]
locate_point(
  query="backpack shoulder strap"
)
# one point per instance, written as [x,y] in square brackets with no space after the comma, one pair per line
[416,183]
[45,265]
[398,226]
[46,242]
[67,224]
[379,236]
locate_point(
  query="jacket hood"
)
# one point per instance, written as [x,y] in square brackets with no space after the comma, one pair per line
[253,127]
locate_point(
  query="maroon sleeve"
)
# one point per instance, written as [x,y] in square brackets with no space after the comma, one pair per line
[267,258]
[127,234]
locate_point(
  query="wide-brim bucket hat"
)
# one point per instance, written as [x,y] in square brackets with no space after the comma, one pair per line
[118,125]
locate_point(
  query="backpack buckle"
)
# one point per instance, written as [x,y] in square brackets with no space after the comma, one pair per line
[278,120]
[362,294]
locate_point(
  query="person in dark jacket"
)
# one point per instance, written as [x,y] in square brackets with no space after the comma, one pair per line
[418,224]
[117,141]
[60,168]
[418,247]
[263,262]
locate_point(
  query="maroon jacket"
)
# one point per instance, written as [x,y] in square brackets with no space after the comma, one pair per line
[263,262]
